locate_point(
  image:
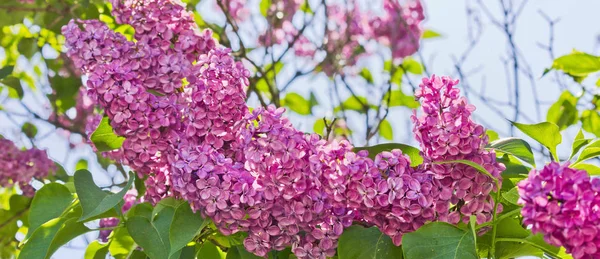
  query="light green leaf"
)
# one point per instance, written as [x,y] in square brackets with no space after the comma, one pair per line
[579,142]
[590,151]
[590,121]
[95,250]
[412,66]
[589,168]
[439,240]
[210,250]
[81,164]
[516,147]
[577,64]
[546,133]
[297,103]
[353,104]
[95,201]
[429,34]
[410,151]
[366,74]
[264,7]
[104,138]
[398,98]
[359,242]
[121,243]
[563,112]
[386,131]
[48,203]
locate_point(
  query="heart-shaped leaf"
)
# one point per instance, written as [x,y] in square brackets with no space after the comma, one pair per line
[94,200]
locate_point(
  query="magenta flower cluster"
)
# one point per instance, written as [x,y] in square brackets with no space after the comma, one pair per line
[19,167]
[564,204]
[129,199]
[446,132]
[348,29]
[179,99]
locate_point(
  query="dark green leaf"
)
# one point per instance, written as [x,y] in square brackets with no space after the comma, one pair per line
[512,196]
[48,203]
[14,85]
[147,236]
[210,250]
[546,133]
[514,168]
[185,226]
[104,137]
[29,130]
[6,71]
[94,201]
[410,151]
[516,147]
[439,240]
[27,47]
[359,242]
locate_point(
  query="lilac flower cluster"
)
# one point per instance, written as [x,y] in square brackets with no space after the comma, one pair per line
[19,167]
[129,199]
[564,204]
[399,27]
[179,99]
[446,132]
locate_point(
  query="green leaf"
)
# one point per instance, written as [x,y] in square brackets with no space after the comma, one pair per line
[412,66]
[264,7]
[14,85]
[492,135]
[512,196]
[546,133]
[104,138]
[590,121]
[239,252]
[428,34]
[516,147]
[410,151]
[366,74]
[589,168]
[297,103]
[185,226]
[121,243]
[514,168]
[386,131]
[210,250]
[590,151]
[81,165]
[439,240]
[359,242]
[29,130]
[95,250]
[563,112]
[354,104]
[577,64]
[6,71]
[305,7]
[94,201]
[147,236]
[579,142]
[27,47]
[48,203]
[398,98]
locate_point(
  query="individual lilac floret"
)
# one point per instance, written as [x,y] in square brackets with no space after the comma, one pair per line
[564,204]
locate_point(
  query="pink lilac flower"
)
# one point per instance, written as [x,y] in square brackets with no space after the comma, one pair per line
[19,167]
[129,199]
[446,132]
[563,204]
[399,27]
